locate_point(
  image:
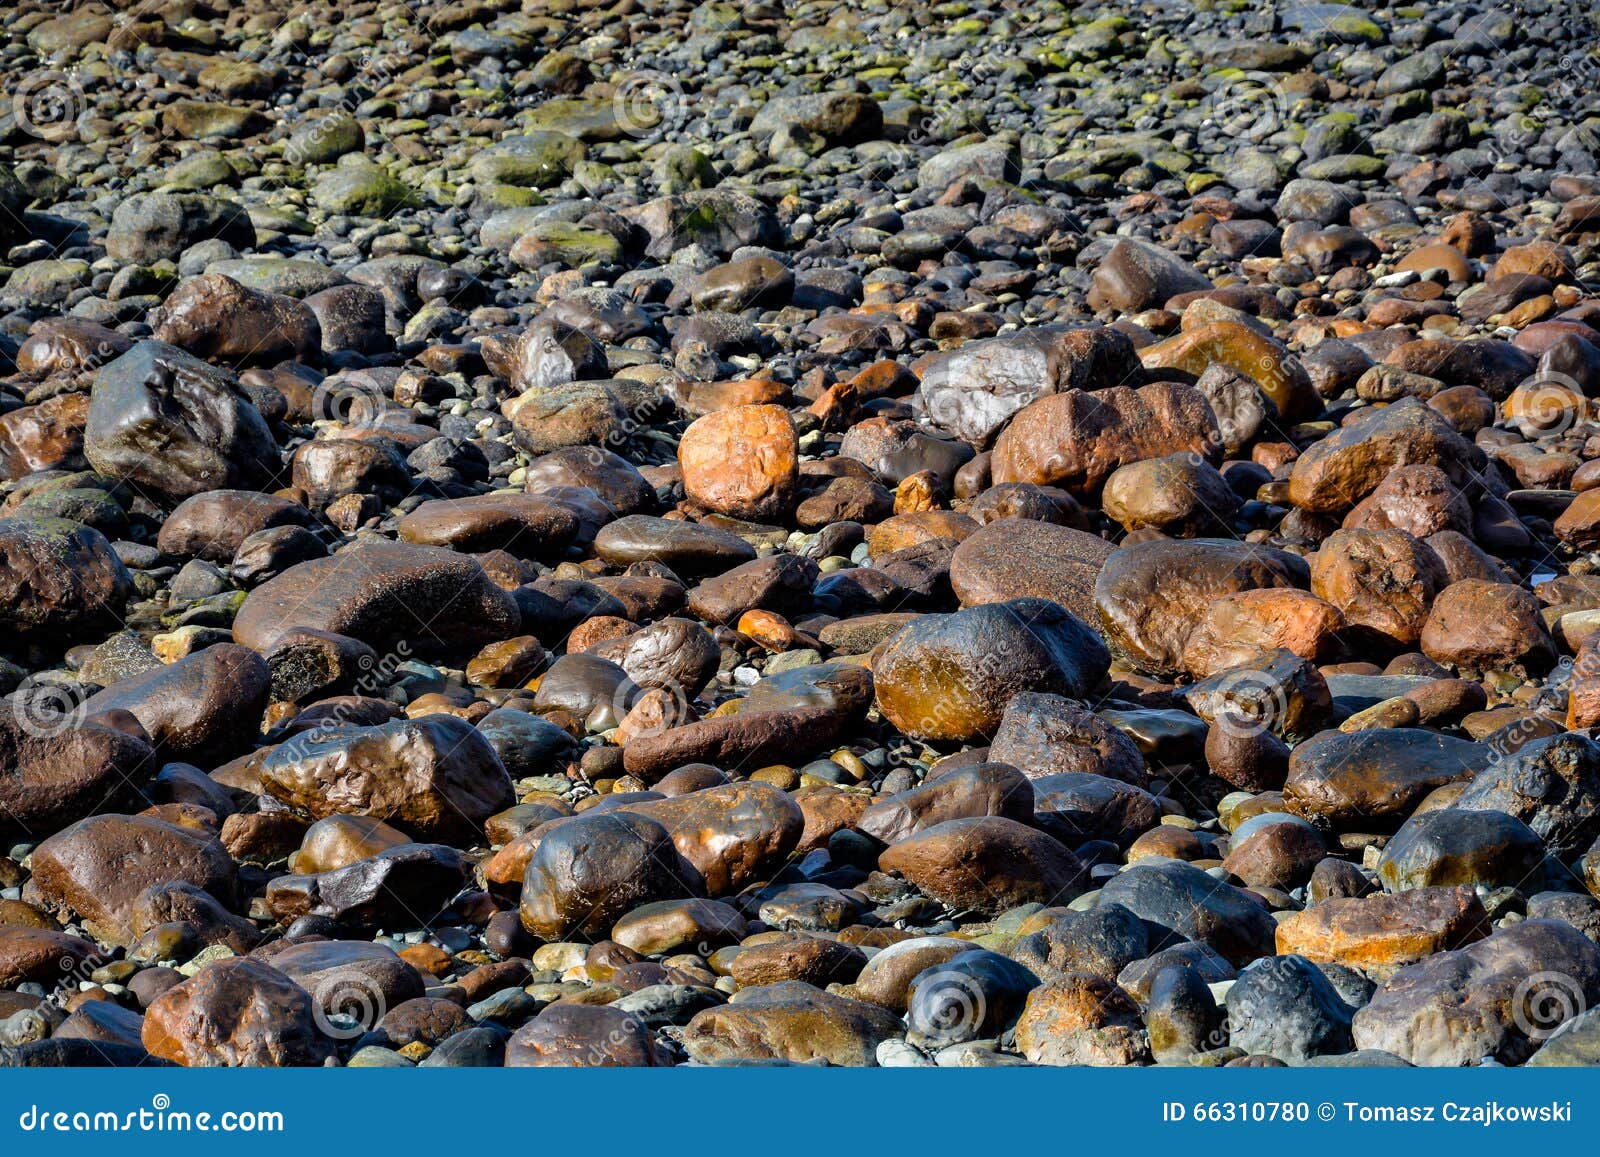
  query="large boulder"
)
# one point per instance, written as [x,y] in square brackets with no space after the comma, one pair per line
[981,789]
[590,871]
[1013,558]
[204,708]
[1380,933]
[1551,784]
[56,769]
[236,1013]
[1043,735]
[173,426]
[972,391]
[987,864]
[950,676]
[1245,350]
[732,834]
[58,579]
[390,595]
[97,868]
[1501,997]
[434,776]
[1178,902]
[791,1021]
[160,226]
[1075,440]
[217,317]
[404,884]
[1371,780]
[526,525]
[1334,474]
[743,462]
[1152,596]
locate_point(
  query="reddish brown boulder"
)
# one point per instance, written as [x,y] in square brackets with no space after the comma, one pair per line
[216,317]
[1076,440]
[742,462]
[236,1013]
[1477,626]
[98,867]
[1383,932]
[1382,581]
[987,863]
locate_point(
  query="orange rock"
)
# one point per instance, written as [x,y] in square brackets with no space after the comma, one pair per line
[1542,258]
[1382,580]
[1583,696]
[883,378]
[1273,454]
[1579,524]
[742,462]
[827,810]
[1470,233]
[1243,626]
[506,867]
[655,711]
[429,958]
[590,633]
[918,492]
[1384,932]
[1542,407]
[1530,311]
[905,530]
[1436,256]
[837,405]
[769,629]
[1081,1019]
[1480,626]
[1077,439]
[1262,359]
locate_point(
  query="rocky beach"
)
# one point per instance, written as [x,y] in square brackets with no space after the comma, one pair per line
[593,533]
